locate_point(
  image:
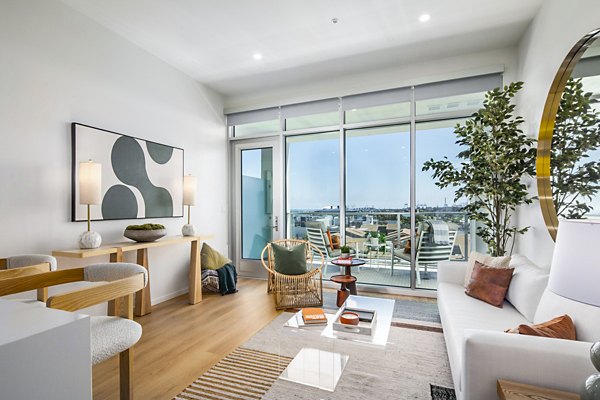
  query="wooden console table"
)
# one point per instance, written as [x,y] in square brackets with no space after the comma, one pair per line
[508,390]
[142,298]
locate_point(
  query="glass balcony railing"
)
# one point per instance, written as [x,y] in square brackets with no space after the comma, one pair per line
[382,238]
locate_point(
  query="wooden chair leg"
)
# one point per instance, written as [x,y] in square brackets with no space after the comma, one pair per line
[42,294]
[126,374]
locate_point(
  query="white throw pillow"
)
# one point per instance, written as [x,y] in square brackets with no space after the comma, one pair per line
[487,260]
[527,286]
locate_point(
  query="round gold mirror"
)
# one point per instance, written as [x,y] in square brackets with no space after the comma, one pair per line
[568,155]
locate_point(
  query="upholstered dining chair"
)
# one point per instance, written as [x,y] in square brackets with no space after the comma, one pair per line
[110,335]
[295,291]
[28,264]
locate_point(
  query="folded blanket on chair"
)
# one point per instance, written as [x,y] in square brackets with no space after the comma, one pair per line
[227,279]
[439,232]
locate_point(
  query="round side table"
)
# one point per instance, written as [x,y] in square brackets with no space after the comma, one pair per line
[347,281]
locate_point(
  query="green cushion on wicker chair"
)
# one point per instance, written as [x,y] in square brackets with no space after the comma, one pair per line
[290,261]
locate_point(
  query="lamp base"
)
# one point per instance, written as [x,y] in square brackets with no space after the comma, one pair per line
[591,388]
[90,240]
[188,230]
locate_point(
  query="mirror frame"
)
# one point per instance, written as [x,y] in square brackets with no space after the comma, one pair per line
[547,129]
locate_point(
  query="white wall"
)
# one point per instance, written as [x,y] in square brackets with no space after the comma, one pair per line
[556,28]
[58,66]
[430,70]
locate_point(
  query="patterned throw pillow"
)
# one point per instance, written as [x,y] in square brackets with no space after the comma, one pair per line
[210,280]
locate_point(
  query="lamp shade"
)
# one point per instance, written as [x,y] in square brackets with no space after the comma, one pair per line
[190,183]
[90,183]
[576,261]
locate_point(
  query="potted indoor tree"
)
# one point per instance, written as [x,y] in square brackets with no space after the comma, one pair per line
[495,158]
[574,175]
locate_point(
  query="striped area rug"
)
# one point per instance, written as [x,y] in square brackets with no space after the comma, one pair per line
[244,374]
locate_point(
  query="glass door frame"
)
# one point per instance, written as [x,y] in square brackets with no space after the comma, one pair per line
[252,267]
[281,157]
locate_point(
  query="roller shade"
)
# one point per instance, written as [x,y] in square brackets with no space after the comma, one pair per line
[589,66]
[475,84]
[248,117]
[375,99]
[310,108]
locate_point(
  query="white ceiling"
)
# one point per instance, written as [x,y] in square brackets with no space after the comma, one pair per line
[214,41]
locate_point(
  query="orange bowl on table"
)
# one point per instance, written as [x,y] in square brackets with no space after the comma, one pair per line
[349,318]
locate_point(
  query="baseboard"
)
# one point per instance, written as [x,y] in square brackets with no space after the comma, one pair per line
[432,294]
[361,287]
[158,300]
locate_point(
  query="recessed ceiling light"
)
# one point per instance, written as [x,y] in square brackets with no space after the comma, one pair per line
[257,56]
[424,17]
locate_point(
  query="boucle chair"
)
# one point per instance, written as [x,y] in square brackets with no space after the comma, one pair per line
[110,335]
[28,264]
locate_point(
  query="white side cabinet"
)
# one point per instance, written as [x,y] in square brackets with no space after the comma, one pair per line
[44,353]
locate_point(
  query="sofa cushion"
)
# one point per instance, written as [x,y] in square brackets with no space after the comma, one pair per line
[485,259]
[460,312]
[557,328]
[489,284]
[585,317]
[527,286]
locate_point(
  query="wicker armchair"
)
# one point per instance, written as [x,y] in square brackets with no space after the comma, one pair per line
[295,291]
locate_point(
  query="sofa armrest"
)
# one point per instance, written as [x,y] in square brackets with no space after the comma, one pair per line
[490,355]
[452,272]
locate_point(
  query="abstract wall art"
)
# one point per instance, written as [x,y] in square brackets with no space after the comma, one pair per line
[140,179]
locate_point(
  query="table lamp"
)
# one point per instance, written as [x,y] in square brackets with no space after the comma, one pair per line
[190,183]
[575,275]
[90,188]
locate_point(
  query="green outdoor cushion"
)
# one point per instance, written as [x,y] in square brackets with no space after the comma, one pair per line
[289,261]
[212,259]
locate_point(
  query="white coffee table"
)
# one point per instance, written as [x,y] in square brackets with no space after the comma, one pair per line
[323,369]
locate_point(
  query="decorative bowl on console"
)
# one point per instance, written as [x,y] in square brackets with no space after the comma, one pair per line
[145,233]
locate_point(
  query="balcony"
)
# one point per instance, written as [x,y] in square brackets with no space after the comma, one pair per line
[387,255]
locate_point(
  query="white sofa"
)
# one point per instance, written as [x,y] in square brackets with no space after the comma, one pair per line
[480,352]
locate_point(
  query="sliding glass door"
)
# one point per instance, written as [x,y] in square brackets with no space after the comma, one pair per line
[313,183]
[353,168]
[442,227]
[378,202]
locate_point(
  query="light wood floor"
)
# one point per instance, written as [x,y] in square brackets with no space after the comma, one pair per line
[180,341]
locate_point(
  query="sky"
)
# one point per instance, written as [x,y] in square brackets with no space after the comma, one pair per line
[377,171]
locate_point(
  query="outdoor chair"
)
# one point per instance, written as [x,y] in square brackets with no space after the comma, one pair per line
[318,239]
[110,335]
[428,254]
[295,291]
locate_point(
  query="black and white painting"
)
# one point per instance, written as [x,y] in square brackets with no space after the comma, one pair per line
[140,179]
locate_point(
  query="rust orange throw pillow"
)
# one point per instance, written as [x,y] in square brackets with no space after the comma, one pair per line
[335,241]
[558,328]
[329,237]
[489,284]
